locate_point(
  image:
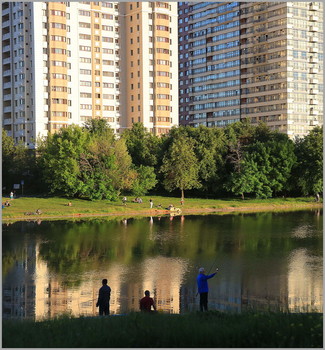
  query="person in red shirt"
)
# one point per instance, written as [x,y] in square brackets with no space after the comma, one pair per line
[146,302]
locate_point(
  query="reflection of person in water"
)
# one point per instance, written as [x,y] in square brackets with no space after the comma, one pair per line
[146,302]
[104,296]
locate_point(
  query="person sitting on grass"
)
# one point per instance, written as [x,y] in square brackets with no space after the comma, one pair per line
[146,302]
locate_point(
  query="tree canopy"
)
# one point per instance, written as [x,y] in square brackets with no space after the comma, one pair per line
[237,160]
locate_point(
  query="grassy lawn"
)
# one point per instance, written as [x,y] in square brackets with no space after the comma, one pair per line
[211,329]
[54,207]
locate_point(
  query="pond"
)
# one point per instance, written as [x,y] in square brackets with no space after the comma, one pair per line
[266,261]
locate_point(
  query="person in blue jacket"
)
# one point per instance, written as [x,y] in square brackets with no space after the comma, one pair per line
[203,289]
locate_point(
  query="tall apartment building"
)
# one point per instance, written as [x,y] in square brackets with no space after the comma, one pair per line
[255,60]
[149,64]
[66,62]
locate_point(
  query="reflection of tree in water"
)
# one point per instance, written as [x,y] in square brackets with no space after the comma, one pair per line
[72,248]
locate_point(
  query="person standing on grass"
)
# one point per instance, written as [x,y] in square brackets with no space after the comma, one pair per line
[146,302]
[151,203]
[203,289]
[104,296]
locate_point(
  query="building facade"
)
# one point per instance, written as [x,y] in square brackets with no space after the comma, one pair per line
[64,63]
[252,60]
[149,66]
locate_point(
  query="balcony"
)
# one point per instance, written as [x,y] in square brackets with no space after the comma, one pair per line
[312,101]
[313,70]
[6,48]
[6,60]
[20,133]
[313,39]
[7,85]
[313,81]
[6,36]
[7,109]
[7,121]
[5,24]
[313,60]
[313,6]
[7,97]
[313,50]
[313,18]
[313,91]
[313,112]
[313,123]
[313,29]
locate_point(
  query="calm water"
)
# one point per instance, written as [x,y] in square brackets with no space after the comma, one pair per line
[265,260]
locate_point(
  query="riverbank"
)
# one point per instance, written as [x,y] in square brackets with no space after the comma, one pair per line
[24,208]
[211,329]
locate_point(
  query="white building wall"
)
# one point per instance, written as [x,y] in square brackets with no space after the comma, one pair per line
[39,70]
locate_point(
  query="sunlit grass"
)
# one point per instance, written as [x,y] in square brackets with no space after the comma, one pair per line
[212,329]
[53,207]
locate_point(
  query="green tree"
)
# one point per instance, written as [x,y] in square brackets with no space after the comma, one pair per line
[18,163]
[59,158]
[308,173]
[243,180]
[260,165]
[180,166]
[145,181]
[87,162]
[142,146]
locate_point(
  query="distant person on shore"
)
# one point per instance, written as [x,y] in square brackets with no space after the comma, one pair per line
[104,296]
[146,302]
[11,195]
[124,200]
[203,289]
[151,203]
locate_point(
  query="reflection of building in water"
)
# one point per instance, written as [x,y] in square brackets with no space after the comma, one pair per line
[163,278]
[263,286]
[19,297]
[265,291]
[82,300]
[29,290]
[304,285]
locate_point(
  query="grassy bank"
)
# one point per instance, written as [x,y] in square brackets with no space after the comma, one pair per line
[55,207]
[211,329]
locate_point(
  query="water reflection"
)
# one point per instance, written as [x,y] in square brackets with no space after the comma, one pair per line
[266,261]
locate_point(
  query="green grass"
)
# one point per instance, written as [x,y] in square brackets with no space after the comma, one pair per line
[55,207]
[211,329]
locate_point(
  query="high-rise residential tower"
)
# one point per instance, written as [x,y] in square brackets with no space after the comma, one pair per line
[149,64]
[252,60]
[64,63]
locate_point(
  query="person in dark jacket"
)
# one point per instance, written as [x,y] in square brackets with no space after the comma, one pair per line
[146,302]
[203,289]
[104,296]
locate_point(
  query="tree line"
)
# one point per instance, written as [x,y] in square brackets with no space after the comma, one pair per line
[239,160]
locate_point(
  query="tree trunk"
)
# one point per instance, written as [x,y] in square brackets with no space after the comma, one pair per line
[242,196]
[182,194]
